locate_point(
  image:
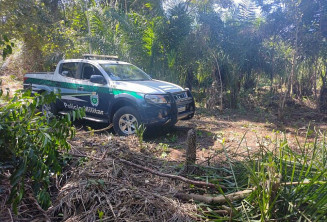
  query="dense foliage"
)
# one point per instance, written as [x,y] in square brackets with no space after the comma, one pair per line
[231,46]
[30,144]
[5,46]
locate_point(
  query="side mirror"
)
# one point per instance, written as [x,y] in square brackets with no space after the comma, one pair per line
[98,79]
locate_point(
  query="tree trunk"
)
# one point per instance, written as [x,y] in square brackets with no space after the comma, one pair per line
[189,78]
[221,87]
[282,99]
[89,31]
[295,53]
[215,95]
[315,79]
[323,93]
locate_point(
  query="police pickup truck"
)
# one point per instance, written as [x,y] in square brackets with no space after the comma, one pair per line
[112,91]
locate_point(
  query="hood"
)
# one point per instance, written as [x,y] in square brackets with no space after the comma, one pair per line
[147,87]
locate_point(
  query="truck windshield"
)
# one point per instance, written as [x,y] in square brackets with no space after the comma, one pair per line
[125,72]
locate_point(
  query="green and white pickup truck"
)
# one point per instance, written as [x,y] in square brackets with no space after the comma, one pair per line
[112,91]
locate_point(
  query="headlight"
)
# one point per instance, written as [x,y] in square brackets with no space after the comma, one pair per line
[157,99]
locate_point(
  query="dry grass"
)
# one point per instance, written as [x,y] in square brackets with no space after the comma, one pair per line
[95,186]
[103,188]
[28,209]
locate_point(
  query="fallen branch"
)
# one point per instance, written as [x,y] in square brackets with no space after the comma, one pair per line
[196,183]
[84,156]
[44,213]
[218,199]
[96,131]
[300,183]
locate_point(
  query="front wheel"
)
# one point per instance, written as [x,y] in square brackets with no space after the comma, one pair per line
[125,121]
[188,117]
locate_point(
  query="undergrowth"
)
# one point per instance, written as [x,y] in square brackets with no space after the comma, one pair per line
[30,144]
[287,183]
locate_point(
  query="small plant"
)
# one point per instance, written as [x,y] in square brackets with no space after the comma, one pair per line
[90,130]
[172,137]
[139,131]
[199,133]
[163,147]
[100,214]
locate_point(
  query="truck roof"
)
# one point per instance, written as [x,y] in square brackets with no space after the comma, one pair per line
[95,61]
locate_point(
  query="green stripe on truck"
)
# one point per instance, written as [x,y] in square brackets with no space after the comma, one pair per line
[76,86]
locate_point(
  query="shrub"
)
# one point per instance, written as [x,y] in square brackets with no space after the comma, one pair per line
[31,144]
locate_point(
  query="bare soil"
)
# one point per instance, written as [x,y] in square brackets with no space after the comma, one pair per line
[240,133]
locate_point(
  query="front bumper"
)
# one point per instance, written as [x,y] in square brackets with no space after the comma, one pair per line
[168,114]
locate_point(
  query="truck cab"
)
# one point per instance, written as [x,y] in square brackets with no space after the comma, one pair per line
[113,91]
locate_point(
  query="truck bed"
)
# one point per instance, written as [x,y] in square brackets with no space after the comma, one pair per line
[40,73]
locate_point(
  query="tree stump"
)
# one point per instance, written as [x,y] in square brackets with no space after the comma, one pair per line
[190,152]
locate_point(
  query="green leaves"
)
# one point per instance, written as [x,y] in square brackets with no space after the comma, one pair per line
[6,46]
[32,143]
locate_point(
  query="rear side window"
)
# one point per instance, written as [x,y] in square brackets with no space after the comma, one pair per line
[69,69]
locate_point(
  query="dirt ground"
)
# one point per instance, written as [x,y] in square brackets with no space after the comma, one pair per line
[10,84]
[232,132]
[239,132]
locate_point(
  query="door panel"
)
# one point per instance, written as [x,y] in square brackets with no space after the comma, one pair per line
[66,83]
[95,98]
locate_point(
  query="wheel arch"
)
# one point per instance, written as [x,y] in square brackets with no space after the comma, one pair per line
[42,89]
[119,103]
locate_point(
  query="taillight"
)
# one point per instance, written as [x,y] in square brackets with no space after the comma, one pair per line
[25,78]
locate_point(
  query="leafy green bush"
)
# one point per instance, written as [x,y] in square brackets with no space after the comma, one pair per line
[31,143]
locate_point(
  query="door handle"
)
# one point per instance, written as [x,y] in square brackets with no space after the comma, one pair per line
[81,88]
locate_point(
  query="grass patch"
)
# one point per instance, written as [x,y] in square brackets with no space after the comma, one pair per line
[287,183]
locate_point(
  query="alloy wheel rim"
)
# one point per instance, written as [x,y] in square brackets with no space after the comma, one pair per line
[127,124]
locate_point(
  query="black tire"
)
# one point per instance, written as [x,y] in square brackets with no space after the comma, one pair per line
[49,110]
[188,117]
[125,121]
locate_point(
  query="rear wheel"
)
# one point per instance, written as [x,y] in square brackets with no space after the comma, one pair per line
[125,121]
[49,110]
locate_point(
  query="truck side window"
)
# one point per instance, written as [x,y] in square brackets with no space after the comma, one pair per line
[69,69]
[89,70]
